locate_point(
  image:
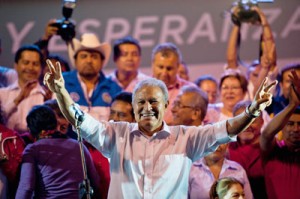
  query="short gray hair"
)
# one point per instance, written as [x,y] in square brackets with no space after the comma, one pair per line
[151,82]
[200,98]
[166,49]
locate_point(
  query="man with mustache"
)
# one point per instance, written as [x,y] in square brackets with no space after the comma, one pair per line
[150,159]
[88,85]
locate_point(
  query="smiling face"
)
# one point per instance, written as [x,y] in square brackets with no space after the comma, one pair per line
[184,110]
[291,131]
[149,108]
[231,92]
[165,67]
[28,66]
[252,133]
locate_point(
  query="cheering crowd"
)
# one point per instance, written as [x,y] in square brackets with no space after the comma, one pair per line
[148,136]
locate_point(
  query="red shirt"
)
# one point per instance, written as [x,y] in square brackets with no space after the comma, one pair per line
[249,156]
[282,173]
[13,147]
[102,167]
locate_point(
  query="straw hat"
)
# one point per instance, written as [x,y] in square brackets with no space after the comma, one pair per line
[89,41]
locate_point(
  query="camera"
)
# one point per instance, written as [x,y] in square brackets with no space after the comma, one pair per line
[66,29]
[246,14]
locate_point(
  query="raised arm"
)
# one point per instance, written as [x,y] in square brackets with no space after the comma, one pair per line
[232,45]
[55,82]
[267,138]
[267,38]
[262,99]
[268,57]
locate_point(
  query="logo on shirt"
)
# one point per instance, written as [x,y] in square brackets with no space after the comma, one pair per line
[75,97]
[106,97]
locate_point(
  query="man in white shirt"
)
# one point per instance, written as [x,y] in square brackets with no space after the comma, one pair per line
[150,159]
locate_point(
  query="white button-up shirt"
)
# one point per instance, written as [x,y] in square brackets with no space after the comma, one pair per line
[151,167]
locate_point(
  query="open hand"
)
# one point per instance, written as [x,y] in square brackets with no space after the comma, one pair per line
[295,87]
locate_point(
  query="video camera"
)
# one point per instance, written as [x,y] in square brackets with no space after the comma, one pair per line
[246,14]
[66,29]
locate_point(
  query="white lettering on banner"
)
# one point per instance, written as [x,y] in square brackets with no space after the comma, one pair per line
[140,30]
[175,32]
[292,24]
[150,30]
[225,29]
[204,28]
[18,37]
[271,14]
[86,24]
[113,23]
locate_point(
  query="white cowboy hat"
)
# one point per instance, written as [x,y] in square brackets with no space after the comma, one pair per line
[89,41]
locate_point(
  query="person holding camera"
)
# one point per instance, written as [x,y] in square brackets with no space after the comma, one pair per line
[266,64]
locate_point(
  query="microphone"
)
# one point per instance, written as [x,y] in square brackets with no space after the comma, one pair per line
[79,115]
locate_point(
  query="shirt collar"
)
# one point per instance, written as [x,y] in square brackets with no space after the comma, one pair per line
[165,129]
[226,164]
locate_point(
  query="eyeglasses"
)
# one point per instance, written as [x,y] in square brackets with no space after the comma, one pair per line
[226,88]
[177,104]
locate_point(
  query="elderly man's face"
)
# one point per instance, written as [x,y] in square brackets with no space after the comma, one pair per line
[165,68]
[149,109]
[183,109]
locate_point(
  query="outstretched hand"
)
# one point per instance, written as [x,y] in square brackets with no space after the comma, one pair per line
[263,97]
[295,88]
[54,79]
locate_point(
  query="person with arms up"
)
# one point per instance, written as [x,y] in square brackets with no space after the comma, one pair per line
[265,66]
[246,151]
[281,159]
[150,159]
